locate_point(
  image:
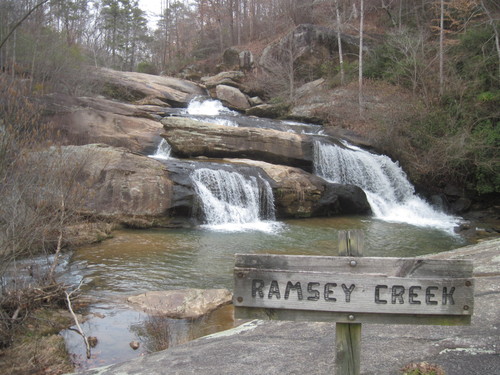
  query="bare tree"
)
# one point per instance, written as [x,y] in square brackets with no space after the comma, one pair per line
[281,69]
[360,74]
[339,41]
[441,48]
[13,29]
[493,22]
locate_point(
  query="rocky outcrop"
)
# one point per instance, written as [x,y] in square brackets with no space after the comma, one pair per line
[189,138]
[246,60]
[97,120]
[131,86]
[298,194]
[232,78]
[122,187]
[233,58]
[182,304]
[117,185]
[312,45]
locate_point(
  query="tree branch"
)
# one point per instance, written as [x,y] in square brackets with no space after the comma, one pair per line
[79,328]
[21,21]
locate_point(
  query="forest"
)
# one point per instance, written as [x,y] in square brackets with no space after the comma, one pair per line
[445,53]
[437,60]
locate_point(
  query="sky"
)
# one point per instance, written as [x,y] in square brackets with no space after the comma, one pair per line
[152,8]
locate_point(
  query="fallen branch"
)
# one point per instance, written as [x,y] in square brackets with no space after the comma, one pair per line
[79,328]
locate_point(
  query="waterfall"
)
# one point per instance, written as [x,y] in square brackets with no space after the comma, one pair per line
[231,201]
[208,107]
[163,151]
[390,194]
[212,111]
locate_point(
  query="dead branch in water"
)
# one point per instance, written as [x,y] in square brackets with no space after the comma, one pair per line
[79,328]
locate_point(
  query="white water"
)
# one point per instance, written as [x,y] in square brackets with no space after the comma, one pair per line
[390,194]
[208,107]
[210,110]
[163,151]
[233,202]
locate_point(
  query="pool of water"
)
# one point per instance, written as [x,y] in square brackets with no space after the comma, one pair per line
[136,261]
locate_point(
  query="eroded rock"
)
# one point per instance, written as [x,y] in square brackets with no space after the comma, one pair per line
[117,185]
[131,86]
[99,120]
[182,304]
[190,138]
[299,194]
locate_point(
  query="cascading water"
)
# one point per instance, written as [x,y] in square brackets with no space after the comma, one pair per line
[207,107]
[390,194]
[212,111]
[231,201]
[163,151]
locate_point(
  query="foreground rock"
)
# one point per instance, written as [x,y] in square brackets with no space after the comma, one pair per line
[182,304]
[190,138]
[298,194]
[260,347]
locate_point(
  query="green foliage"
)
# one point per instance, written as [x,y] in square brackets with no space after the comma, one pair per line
[454,137]
[475,59]
[489,96]
[486,143]
[398,60]
[147,67]
[330,70]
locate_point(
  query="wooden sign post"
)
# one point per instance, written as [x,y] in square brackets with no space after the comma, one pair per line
[348,335]
[351,290]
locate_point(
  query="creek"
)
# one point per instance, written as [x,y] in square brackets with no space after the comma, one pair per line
[237,215]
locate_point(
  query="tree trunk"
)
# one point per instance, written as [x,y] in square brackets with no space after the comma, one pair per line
[441,49]
[339,42]
[360,75]
[495,30]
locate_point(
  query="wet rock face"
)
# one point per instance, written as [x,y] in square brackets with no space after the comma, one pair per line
[299,194]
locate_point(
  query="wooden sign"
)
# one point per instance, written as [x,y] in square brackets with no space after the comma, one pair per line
[354,289]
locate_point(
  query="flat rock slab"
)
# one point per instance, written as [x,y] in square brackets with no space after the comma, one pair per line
[278,347]
[181,304]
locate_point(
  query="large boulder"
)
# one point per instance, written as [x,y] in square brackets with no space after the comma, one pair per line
[189,138]
[232,78]
[232,97]
[299,194]
[268,110]
[182,304]
[231,58]
[246,60]
[117,185]
[131,86]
